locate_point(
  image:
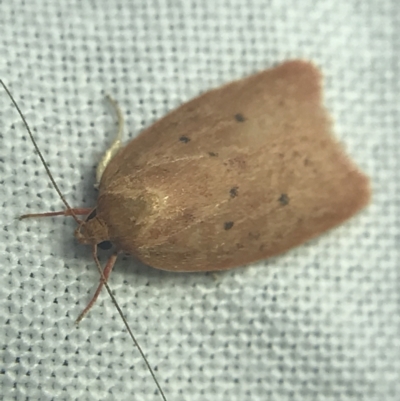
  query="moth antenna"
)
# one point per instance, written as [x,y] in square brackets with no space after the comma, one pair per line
[106,158]
[96,259]
[40,154]
[115,146]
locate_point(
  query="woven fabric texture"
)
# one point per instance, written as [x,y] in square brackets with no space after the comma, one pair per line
[321,322]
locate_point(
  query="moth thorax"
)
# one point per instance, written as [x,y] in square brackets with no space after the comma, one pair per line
[92,231]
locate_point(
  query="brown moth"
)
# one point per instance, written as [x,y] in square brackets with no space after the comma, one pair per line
[238,174]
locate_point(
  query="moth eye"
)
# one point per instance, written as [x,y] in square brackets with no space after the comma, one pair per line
[92,215]
[105,245]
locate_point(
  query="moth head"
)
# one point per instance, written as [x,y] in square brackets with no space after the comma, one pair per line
[93,231]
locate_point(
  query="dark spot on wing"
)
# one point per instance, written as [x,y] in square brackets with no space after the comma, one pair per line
[228,225]
[239,117]
[234,192]
[184,139]
[213,154]
[284,200]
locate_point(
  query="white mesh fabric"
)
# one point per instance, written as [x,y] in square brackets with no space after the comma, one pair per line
[321,322]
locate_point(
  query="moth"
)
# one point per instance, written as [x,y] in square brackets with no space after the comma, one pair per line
[239,174]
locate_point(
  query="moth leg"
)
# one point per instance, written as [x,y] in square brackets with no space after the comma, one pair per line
[68,212]
[106,273]
[115,146]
